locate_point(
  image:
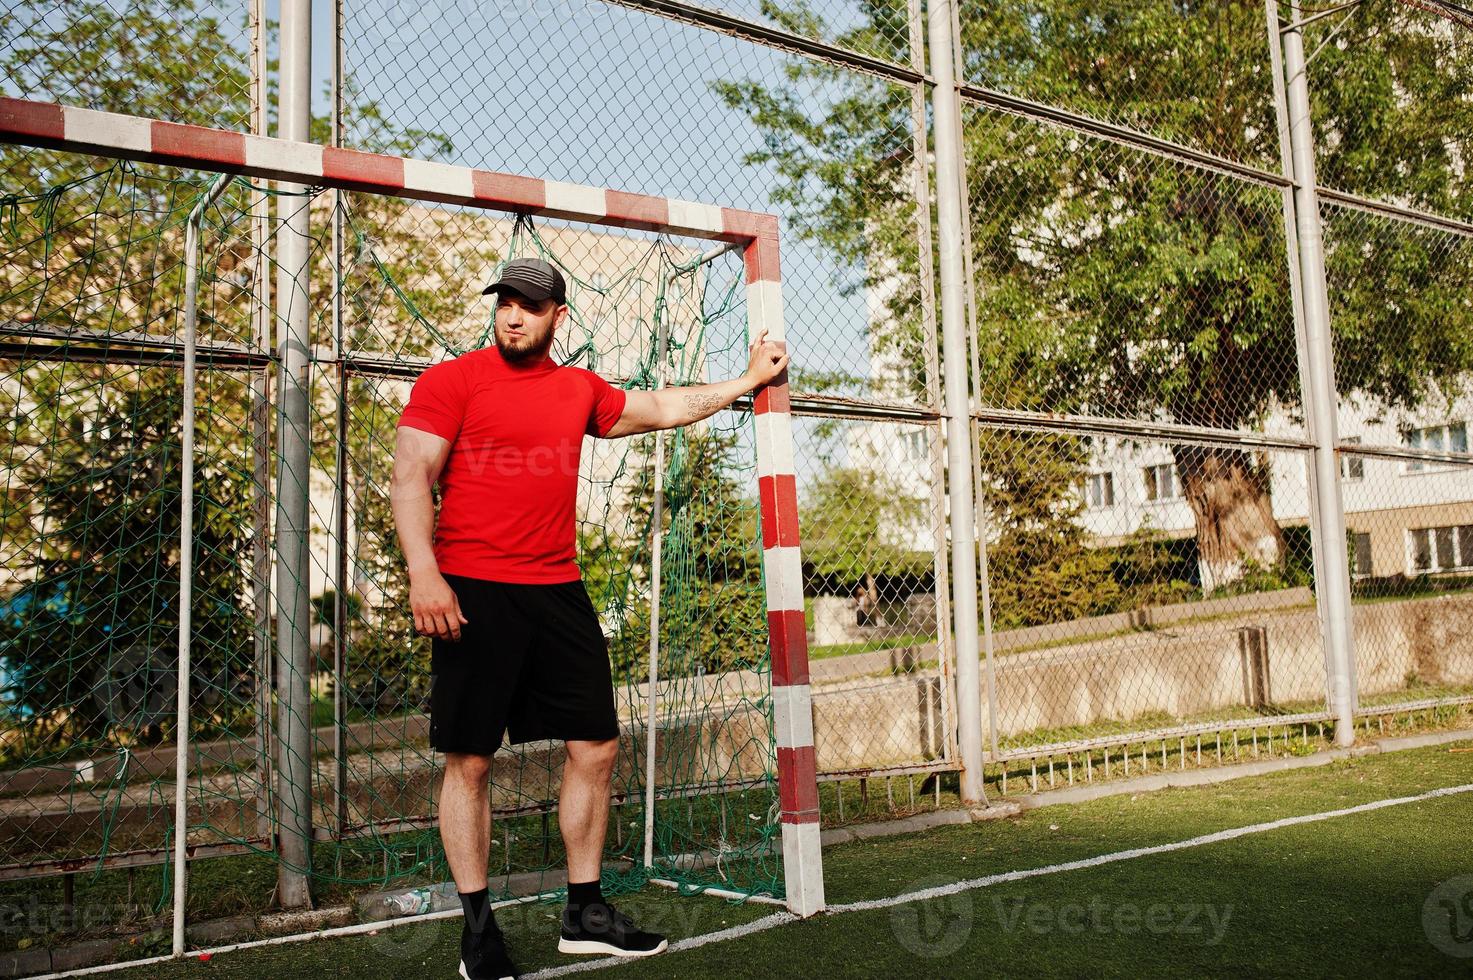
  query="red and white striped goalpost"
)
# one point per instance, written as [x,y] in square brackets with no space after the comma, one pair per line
[115,135]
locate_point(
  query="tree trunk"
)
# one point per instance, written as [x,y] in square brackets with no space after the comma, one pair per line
[1228,492]
[870,603]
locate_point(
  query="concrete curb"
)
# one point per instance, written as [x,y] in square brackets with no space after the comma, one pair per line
[1240,770]
[918,823]
[1013,806]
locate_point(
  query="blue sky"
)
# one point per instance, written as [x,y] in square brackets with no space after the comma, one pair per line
[576,90]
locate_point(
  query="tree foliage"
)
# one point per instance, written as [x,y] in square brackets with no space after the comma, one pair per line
[90,648]
[97,245]
[857,522]
[712,604]
[1039,565]
[1111,281]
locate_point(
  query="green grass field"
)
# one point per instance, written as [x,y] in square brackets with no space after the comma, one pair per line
[1343,896]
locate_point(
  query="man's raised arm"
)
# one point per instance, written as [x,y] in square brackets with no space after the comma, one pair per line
[419,457]
[669,408]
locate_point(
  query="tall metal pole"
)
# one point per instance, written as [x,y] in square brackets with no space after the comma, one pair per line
[293,653]
[261,442]
[982,510]
[941,585]
[340,517]
[1320,398]
[947,122]
[1296,298]
[186,559]
[657,534]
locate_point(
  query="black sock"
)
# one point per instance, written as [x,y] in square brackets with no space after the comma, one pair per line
[584,893]
[477,907]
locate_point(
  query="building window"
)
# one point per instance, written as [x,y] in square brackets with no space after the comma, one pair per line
[1441,549]
[1161,482]
[1452,437]
[1360,553]
[915,444]
[1099,490]
[1352,468]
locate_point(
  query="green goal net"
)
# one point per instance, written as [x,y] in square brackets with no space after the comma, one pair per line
[92,379]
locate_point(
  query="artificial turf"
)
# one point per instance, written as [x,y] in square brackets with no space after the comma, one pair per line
[1344,896]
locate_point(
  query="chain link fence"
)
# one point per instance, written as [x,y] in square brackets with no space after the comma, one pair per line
[1396,201]
[1153,559]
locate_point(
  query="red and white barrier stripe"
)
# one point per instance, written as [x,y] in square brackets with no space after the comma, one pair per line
[782,570]
[219,151]
[197,148]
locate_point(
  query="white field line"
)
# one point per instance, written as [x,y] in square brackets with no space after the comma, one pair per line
[941,891]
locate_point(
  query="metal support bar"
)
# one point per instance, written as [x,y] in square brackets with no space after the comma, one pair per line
[1426,219]
[949,218]
[657,536]
[186,557]
[1122,135]
[160,349]
[1329,515]
[1296,286]
[293,606]
[771,37]
[142,355]
[979,494]
[260,423]
[936,445]
[1328,11]
[1406,454]
[1003,418]
[340,463]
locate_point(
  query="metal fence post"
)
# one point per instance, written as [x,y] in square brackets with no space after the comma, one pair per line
[936,463]
[293,606]
[657,541]
[186,558]
[261,444]
[947,121]
[341,577]
[979,498]
[1328,513]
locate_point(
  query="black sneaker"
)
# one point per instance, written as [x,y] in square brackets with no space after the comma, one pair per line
[600,928]
[483,956]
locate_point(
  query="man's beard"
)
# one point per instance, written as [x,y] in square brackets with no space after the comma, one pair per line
[530,353]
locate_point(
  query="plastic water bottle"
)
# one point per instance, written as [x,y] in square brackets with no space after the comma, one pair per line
[412,902]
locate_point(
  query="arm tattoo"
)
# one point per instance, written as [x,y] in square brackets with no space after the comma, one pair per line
[702,405]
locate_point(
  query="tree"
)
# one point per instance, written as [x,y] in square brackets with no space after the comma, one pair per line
[1040,566]
[1152,570]
[855,526]
[91,646]
[1111,282]
[712,605]
[93,456]
[97,244]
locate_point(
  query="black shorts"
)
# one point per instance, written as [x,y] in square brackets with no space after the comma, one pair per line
[531,659]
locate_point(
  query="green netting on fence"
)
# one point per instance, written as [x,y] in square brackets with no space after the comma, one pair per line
[91,387]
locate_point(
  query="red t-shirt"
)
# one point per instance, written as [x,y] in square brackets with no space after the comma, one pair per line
[509,489]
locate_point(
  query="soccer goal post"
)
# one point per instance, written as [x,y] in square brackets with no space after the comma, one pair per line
[316,800]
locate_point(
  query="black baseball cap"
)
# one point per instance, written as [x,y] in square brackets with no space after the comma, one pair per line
[533,278]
